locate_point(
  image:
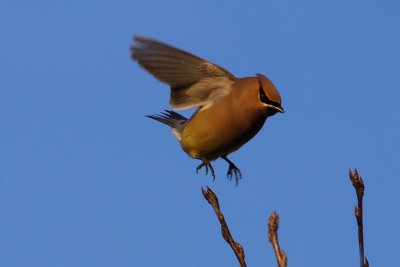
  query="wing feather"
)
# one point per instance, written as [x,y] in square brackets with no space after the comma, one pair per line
[193,80]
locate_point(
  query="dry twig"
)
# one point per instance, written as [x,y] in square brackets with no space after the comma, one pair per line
[358,184]
[210,196]
[273,225]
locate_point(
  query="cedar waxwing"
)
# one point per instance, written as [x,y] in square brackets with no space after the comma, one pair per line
[230,110]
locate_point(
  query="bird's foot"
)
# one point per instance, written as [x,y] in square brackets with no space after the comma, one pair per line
[208,165]
[233,171]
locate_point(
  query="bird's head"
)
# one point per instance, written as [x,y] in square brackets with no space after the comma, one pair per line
[269,95]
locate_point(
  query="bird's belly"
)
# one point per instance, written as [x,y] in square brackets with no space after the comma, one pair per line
[214,138]
[207,146]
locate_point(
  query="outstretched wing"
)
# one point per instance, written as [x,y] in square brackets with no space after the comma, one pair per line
[193,80]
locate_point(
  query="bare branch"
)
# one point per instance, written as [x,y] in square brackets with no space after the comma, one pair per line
[358,184]
[211,197]
[273,225]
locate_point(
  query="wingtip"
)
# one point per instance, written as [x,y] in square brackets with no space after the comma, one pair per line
[142,39]
[140,42]
[138,37]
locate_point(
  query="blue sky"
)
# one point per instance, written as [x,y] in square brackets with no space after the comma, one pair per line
[87,180]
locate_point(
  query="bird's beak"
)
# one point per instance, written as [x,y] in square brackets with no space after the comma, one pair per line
[280,109]
[277,108]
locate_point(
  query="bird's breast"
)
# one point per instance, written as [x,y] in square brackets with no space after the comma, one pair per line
[221,129]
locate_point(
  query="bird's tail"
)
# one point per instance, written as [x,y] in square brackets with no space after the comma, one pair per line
[170,118]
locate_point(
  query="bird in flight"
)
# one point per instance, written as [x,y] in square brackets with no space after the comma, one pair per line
[230,111]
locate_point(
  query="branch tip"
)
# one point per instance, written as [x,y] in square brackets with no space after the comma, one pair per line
[212,199]
[273,226]
[358,184]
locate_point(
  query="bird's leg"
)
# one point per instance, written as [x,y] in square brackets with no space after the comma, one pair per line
[208,165]
[233,171]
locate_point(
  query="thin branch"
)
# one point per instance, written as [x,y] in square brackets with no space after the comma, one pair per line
[358,184]
[211,197]
[273,225]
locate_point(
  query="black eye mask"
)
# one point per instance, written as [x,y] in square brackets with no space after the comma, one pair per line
[266,100]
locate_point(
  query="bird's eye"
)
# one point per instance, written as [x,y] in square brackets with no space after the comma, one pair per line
[263,97]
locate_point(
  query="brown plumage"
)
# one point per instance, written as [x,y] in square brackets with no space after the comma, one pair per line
[230,110]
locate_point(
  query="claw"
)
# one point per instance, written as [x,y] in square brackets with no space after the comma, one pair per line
[208,165]
[233,171]
[199,168]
